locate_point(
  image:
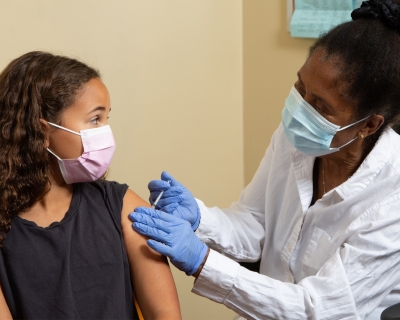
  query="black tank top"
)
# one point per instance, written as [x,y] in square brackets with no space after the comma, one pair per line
[74,269]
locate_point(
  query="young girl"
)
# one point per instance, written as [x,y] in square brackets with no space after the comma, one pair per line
[68,249]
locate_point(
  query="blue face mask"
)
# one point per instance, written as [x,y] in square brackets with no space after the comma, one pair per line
[306,129]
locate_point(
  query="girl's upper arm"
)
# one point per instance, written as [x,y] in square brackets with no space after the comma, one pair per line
[4,310]
[152,280]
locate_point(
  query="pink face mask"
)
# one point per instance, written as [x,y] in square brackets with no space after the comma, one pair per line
[98,150]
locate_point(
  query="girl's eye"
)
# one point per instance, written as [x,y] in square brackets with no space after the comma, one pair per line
[94,120]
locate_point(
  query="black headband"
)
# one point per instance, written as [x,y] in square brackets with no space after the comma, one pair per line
[384,10]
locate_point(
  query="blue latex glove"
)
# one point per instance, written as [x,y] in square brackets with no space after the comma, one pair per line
[176,199]
[170,236]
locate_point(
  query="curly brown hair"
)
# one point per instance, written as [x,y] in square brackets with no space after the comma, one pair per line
[37,85]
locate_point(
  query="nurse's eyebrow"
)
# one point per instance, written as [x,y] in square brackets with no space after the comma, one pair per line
[299,77]
[316,96]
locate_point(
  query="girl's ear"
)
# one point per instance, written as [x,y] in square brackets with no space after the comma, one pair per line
[46,129]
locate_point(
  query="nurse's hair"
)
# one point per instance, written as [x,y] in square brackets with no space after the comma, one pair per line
[37,85]
[367,53]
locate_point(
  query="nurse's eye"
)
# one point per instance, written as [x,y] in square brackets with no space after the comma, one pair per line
[321,110]
[316,107]
[299,88]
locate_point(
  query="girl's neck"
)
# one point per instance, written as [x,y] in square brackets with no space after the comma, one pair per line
[53,206]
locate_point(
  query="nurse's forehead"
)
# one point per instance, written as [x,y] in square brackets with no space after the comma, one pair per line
[316,66]
[323,72]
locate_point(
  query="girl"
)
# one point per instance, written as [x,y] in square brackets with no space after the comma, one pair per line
[57,261]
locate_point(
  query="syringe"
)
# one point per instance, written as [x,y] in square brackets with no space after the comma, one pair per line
[159,196]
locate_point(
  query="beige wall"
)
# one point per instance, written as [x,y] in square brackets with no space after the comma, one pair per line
[196,87]
[174,72]
[271,59]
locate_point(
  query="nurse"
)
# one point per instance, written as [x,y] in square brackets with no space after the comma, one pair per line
[323,209]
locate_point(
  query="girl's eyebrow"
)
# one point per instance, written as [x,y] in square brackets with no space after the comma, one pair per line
[99,108]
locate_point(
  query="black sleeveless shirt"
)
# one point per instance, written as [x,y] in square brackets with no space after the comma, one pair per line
[74,269]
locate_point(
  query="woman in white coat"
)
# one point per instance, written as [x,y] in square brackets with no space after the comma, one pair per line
[323,210]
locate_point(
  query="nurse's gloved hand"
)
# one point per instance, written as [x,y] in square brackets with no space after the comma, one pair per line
[170,236]
[176,199]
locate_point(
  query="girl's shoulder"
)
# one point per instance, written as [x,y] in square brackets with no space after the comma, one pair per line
[104,193]
[112,190]
[104,186]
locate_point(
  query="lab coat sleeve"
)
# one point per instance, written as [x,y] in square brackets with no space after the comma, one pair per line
[350,285]
[236,233]
[239,231]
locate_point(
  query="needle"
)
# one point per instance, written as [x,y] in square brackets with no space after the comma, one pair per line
[159,196]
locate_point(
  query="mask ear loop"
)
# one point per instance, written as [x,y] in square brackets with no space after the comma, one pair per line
[60,161]
[352,124]
[60,127]
[348,142]
[54,154]
[362,136]
[61,165]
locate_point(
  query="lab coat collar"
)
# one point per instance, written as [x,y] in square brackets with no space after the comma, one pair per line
[369,168]
[303,170]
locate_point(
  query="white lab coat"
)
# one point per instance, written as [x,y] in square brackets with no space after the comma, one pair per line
[338,259]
